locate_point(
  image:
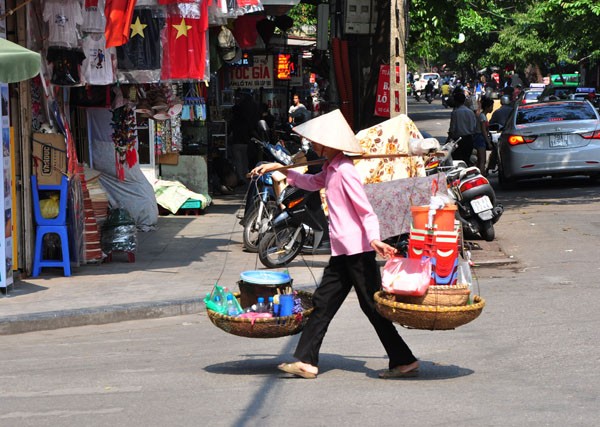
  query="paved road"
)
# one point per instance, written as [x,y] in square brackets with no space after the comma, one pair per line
[530,359]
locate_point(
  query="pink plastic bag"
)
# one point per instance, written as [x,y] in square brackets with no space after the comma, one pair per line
[406,276]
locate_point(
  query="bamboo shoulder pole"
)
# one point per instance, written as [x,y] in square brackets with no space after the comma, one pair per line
[353,157]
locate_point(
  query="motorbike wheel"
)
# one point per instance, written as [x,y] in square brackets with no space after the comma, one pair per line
[487,231]
[251,234]
[278,248]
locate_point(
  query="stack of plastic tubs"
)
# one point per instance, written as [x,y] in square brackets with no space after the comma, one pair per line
[437,241]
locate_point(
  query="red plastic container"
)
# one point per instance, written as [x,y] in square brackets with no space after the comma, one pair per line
[443,219]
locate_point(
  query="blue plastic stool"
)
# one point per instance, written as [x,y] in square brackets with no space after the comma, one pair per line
[39,262]
[56,225]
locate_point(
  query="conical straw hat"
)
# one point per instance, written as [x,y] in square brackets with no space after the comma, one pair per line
[330,130]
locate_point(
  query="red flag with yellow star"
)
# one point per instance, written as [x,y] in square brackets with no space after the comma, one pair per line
[184,48]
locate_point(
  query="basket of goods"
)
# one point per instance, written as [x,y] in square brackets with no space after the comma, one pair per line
[426,292]
[267,310]
[430,317]
[437,295]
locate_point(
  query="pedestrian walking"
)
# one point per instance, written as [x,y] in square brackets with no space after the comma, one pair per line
[355,241]
[463,124]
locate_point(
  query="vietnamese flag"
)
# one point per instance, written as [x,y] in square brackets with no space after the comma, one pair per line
[184,53]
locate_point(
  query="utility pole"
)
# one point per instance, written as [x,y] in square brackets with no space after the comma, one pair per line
[397,60]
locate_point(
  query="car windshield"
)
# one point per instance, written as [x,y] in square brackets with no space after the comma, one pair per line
[554,112]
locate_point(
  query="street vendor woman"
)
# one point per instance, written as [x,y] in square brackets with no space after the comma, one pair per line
[355,240]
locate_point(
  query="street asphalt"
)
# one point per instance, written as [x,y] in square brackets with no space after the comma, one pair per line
[175,266]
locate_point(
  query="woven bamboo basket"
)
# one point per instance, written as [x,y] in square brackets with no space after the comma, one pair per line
[430,317]
[273,327]
[436,295]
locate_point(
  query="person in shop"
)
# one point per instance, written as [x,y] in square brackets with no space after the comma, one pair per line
[298,113]
[355,242]
[244,120]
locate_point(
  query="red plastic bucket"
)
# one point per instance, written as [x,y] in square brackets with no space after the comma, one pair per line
[443,219]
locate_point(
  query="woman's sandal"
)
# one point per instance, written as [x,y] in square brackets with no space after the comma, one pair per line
[398,373]
[295,369]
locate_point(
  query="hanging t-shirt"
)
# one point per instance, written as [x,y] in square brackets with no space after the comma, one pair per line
[184,53]
[142,51]
[245,31]
[63,16]
[97,67]
[65,65]
[118,15]
[94,20]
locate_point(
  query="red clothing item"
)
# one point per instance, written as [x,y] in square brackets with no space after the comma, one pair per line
[118,20]
[184,53]
[245,32]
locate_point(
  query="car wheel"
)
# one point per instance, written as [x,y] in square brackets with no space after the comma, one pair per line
[505,183]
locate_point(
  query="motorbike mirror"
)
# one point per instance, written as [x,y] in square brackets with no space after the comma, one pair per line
[263,126]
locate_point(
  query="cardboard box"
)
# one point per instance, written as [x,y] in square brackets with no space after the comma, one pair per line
[49,157]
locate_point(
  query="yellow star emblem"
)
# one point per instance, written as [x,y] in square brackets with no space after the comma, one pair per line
[137,28]
[182,28]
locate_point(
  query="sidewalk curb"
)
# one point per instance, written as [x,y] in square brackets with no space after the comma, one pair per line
[495,262]
[49,320]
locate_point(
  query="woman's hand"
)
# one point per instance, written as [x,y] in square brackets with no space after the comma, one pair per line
[383,249]
[264,168]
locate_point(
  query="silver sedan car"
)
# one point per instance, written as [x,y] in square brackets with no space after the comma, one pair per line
[550,139]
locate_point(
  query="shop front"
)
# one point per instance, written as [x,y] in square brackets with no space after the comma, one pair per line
[125,108]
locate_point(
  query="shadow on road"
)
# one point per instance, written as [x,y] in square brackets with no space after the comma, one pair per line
[266,364]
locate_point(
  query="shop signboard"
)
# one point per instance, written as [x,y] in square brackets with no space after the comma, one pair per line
[259,75]
[382,102]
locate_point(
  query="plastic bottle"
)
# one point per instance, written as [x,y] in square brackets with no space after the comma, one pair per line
[231,308]
[270,306]
[260,305]
[218,302]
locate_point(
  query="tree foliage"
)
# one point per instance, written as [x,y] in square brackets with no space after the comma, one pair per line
[548,33]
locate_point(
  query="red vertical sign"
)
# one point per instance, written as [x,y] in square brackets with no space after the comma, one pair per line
[382,102]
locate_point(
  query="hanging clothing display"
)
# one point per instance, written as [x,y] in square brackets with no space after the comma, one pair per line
[63,17]
[118,15]
[94,20]
[97,67]
[65,65]
[184,41]
[142,51]
[124,138]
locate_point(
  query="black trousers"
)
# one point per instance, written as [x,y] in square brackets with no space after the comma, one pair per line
[343,272]
[464,149]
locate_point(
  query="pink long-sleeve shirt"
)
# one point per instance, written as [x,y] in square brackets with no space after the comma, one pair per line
[353,224]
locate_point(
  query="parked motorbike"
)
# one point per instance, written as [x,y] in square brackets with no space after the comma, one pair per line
[475,198]
[261,204]
[300,225]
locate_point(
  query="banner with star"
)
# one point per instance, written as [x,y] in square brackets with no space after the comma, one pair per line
[142,51]
[185,42]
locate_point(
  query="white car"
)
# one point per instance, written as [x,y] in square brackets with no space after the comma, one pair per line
[421,82]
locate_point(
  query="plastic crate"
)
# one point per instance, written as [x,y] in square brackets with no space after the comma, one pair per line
[192,204]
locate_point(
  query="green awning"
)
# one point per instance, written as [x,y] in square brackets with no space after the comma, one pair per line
[17,63]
